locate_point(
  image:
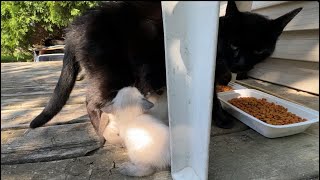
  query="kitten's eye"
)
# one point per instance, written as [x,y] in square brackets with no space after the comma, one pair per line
[233,47]
[258,52]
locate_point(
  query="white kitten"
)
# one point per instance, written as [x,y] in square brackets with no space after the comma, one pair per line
[145,137]
[111,131]
[109,127]
[160,108]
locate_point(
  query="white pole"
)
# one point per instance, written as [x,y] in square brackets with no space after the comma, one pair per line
[190,42]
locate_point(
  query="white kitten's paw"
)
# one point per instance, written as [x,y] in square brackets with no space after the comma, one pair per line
[121,145]
[113,138]
[126,168]
[130,169]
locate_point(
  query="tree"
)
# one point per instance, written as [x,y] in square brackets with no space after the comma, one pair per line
[26,23]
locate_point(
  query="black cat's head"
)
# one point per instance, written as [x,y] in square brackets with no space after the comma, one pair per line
[249,38]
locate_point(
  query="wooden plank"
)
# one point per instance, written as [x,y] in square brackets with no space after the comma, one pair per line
[47,143]
[28,83]
[13,83]
[265,160]
[307,19]
[32,76]
[263,4]
[29,74]
[30,66]
[248,155]
[33,90]
[301,45]
[238,127]
[8,103]
[14,71]
[21,118]
[25,92]
[101,165]
[32,71]
[32,95]
[296,74]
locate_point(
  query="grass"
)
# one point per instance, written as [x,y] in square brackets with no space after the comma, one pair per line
[10,58]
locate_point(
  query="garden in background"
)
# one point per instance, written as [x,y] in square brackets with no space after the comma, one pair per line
[28,24]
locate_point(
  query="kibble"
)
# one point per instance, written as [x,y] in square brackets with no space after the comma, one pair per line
[222,88]
[265,111]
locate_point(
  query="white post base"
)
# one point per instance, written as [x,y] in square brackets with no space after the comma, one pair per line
[190,42]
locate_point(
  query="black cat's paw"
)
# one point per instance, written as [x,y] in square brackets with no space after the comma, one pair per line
[223,122]
[224,79]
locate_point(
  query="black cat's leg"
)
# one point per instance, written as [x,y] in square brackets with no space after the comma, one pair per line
[81,74]
[222,74]
[219,118]
[92,103]
[241,76]
[222,77]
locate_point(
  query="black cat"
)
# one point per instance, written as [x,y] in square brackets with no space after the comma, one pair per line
[244,40]
[122,44]
[118,44]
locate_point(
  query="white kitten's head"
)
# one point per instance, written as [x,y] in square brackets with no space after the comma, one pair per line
[127,97]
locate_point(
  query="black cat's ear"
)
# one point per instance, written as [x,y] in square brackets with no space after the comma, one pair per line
[146,105]
[231,9]
[107,108]
[281,22]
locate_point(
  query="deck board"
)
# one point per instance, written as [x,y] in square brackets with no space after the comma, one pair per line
[98,166]
[60,149]
[8,103]
[47,143]
[69,114]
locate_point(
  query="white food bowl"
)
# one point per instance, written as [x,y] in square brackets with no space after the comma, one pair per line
[268,130]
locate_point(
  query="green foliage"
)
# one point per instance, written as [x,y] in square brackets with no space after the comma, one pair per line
[25,23]
[21,58]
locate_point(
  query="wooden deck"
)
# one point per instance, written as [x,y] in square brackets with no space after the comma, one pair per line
[67,147]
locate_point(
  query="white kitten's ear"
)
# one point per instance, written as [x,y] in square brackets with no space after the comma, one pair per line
[146,105]
[107,108]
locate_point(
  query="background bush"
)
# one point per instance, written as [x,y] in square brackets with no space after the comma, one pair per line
[27,23]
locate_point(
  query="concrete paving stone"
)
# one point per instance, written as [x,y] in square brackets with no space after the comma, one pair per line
[249,155]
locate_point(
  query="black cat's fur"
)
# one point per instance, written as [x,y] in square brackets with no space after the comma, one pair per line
[119,44]
[244,40]
[122,43]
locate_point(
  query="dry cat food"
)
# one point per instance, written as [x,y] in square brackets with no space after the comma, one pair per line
[221,88]
[265,111]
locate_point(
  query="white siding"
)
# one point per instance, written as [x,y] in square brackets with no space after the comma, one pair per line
[298,45]
[308,17]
